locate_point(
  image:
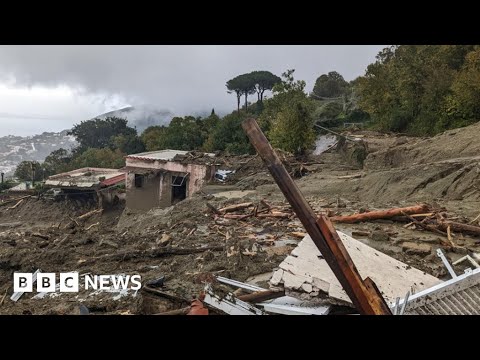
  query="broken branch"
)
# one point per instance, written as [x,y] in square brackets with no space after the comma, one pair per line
[14,206]
[237,217]
[236,207]
[275,215]
[90,213]
[425,226]
[96,224]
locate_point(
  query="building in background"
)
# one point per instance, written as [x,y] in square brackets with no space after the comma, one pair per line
[102,185]
[163,178]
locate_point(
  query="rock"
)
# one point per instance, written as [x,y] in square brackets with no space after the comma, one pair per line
[307,287]
[164,240]
[379,235]
[416,249]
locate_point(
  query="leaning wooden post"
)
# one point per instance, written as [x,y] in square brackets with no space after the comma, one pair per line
[364,295]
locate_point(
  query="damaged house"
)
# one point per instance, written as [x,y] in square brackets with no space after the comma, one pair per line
[99,184]
[163,178]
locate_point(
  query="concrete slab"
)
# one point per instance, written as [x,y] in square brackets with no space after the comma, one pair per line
[305,270]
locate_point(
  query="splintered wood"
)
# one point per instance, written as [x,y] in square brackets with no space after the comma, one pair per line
[248,210]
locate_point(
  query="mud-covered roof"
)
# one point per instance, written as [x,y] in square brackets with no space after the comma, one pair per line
[166,155]
[87,178]
[175,155]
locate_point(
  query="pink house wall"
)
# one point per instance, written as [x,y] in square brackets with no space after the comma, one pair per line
[198,174]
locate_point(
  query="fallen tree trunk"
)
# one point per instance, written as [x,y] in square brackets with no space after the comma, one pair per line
[235,207]
[459,227]
[381,214]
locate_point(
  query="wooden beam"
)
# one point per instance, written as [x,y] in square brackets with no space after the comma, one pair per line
[366,291]
[363,300]
[381,214]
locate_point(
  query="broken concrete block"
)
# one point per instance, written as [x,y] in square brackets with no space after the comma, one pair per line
[294,282]
[277,277]
[416,249]
[321,284]
[336,292]
[307,287]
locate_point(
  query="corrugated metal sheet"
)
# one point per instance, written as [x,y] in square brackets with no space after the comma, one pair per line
[458,296]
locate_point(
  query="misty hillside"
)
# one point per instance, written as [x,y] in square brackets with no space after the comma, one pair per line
[15,149]
[141,117]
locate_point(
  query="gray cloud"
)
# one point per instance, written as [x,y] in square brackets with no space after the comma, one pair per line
[182,79]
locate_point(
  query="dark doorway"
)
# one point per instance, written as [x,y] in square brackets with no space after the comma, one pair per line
[179,188]
[139,180]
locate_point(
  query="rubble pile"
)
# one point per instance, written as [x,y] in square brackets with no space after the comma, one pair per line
[238,247]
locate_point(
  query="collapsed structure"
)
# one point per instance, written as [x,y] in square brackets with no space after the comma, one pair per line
[163,178]
[99,183]
[239,248]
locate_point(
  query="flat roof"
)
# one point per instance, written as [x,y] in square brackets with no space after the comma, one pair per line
[166,155]
[87,177]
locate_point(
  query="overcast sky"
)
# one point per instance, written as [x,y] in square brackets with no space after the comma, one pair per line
[50,88]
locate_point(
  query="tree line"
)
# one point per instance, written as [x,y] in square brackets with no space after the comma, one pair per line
[286,118]
[417,89]
[422,89]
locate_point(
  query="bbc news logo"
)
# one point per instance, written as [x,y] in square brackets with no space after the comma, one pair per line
[69,282]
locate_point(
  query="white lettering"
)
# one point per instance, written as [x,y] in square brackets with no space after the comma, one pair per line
[93,283]
[138,283]
[23,282]
[69,282]
[120,281]
[104,282]
[46,282]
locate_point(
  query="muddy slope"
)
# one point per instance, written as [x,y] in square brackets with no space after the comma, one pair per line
[454,145]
